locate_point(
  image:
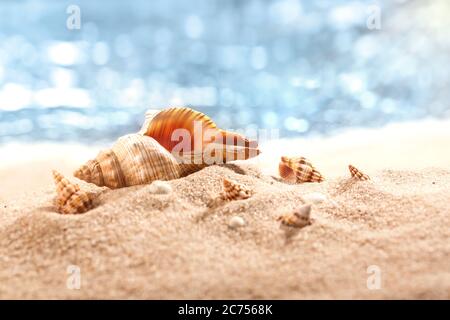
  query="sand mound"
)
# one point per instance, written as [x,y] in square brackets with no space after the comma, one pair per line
[136,244]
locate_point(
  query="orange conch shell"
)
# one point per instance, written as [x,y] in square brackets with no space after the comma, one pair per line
[134,159]
[299,170]
[69,198]
[171,144]
[357,174]
[192,136]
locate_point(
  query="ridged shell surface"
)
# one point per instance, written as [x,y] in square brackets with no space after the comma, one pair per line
[69,198]
[231,190]
[190,134]
[357,174]
[298,170]
[134,159]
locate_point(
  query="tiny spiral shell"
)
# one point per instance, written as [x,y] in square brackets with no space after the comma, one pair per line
[235,191]
[231,190]
[69,198]
[357,174]
[298,170]
[298,218]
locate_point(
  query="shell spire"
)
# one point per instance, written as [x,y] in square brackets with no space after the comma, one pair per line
[134,159]
[298,170]
[357,174]
[231,190]
[69,198]
[234,191]
[298,218]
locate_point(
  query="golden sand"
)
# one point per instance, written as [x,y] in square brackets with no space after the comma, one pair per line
[135,243]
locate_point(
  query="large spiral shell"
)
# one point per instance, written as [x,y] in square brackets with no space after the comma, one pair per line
[172,143]
[192,136]
[134,159]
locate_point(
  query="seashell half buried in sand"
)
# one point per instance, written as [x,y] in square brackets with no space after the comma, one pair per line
[231,190]
[235,191]
[69,198]
[359,175]
[195,140]
[172,143]
[298,218]
[298,170]
[134,159]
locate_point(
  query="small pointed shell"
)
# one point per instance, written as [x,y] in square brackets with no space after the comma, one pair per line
[235,191]
[299,170]
[298,218]
[231,190]
[69,198]
[357,174]
[134,159]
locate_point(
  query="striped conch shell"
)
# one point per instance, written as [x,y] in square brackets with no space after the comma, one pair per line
[69,198]
[298,170]
[298,218]
[171,144]
[357,174]
[134,159]
[195,140]
[234,191]
[231,190]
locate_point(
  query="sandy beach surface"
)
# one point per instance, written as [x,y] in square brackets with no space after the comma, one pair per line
[394,228]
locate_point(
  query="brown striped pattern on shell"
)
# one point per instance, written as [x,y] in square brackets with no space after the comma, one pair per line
[357,174]
[298,170]
[69,198]
[158,151]
[231,190]
[134,159]
[234,191]
[298,218]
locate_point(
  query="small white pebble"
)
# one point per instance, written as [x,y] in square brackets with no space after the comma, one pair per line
[236,222]
[160,187]
[315,197]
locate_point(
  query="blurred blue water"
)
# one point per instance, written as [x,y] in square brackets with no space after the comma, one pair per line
[298,66]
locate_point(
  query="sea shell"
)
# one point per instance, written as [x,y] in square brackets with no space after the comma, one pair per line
[235,191]
[298,218]
[194,139]
[231,190]
[160,187]
[162,150]
[134,159]
[357,174]
[299,170]
[236,222]
[69,198]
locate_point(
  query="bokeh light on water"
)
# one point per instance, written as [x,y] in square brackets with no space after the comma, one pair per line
[298,66]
